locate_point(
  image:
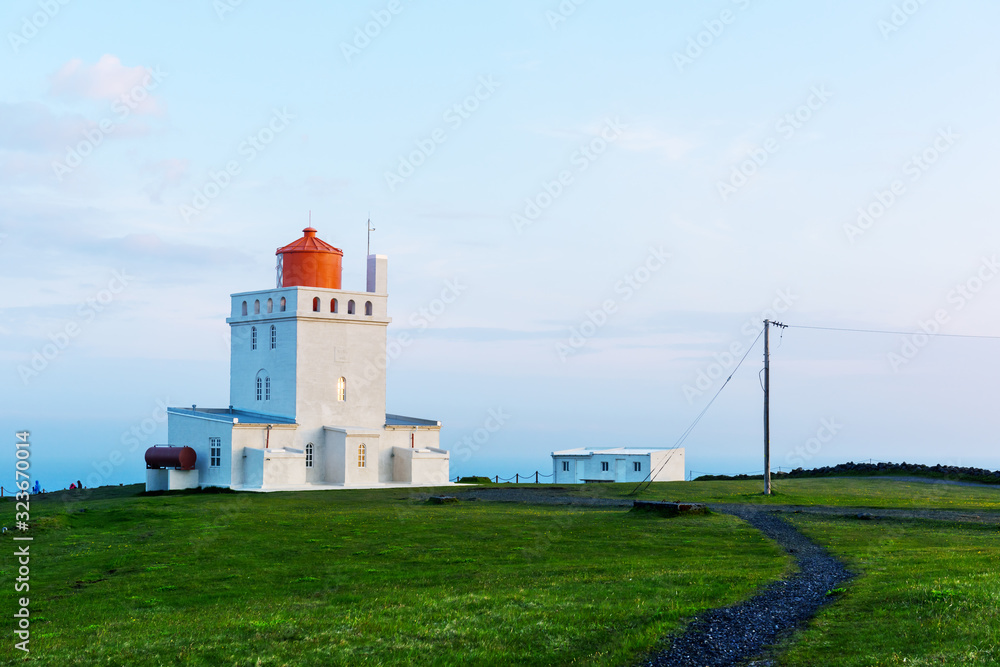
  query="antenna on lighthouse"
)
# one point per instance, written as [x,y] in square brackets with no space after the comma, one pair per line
[370,230]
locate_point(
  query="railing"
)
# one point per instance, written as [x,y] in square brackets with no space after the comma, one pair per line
[516,478]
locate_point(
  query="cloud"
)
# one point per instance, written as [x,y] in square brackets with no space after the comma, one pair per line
[647,139]
[32,127]
[168,173]
[106,80]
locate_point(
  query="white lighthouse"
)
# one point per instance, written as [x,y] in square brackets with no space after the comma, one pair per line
[307,389]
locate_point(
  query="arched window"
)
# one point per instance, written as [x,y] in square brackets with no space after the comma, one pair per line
[274,337]
[253,338]
[350,307]
[256,307]
[362,455]
[316,304]
[368,308]
[270,305]
[281,304]
[244,309]
[342,389]
[263,385]
[309,455]
[333,305]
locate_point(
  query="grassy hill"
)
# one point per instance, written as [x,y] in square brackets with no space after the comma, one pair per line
[383,578]
[368,577]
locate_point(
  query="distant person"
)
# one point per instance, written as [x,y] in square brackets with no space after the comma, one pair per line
[38,487]
[72,486]
[79,484]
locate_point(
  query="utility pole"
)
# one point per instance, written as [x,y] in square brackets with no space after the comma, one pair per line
[767,403]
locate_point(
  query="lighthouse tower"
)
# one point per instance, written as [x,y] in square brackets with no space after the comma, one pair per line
[318,353]
[308,387]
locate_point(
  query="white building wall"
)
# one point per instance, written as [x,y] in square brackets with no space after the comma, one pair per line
[257,437]
[194,432]
[328,350]
[279,363]
[621,467]
[335,455]
[674,469]
[369,475]
[420,466]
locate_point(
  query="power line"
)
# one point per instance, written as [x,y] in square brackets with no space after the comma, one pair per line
[894,333]
[687,432]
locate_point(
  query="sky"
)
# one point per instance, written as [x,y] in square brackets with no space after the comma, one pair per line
[611,196]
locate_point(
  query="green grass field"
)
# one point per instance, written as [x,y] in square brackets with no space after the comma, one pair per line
[370,577]
[382,578]
[928,594]
[869,492]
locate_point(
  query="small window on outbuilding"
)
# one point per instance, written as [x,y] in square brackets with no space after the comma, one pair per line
[604,466]
[362,455]
[350,307]
[565,466]
[309,455]
[214,452]
[636,466]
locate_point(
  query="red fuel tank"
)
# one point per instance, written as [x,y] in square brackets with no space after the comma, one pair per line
[171,457]
[309,262]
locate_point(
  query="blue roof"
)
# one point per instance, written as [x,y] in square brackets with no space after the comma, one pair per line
[227,415]
[399,420]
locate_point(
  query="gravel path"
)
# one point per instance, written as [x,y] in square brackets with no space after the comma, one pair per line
[735,634]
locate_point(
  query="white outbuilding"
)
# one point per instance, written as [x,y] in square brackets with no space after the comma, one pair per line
[308,389]
[618,464]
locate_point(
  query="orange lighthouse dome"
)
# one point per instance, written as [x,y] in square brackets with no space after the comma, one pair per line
[309,262]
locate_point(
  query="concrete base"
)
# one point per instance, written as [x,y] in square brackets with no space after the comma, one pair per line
[669,509]
[342,487]
[168,479]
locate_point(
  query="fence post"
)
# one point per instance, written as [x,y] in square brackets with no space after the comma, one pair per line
[517,478]
[498,479]
[536,477]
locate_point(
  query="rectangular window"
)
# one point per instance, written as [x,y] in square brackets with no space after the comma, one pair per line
[604,466]
[215,452]
[309,455]
[565,466]
[267,389]
[274,337]
[637,466]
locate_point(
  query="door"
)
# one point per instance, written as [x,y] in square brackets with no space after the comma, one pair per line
[619,470]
